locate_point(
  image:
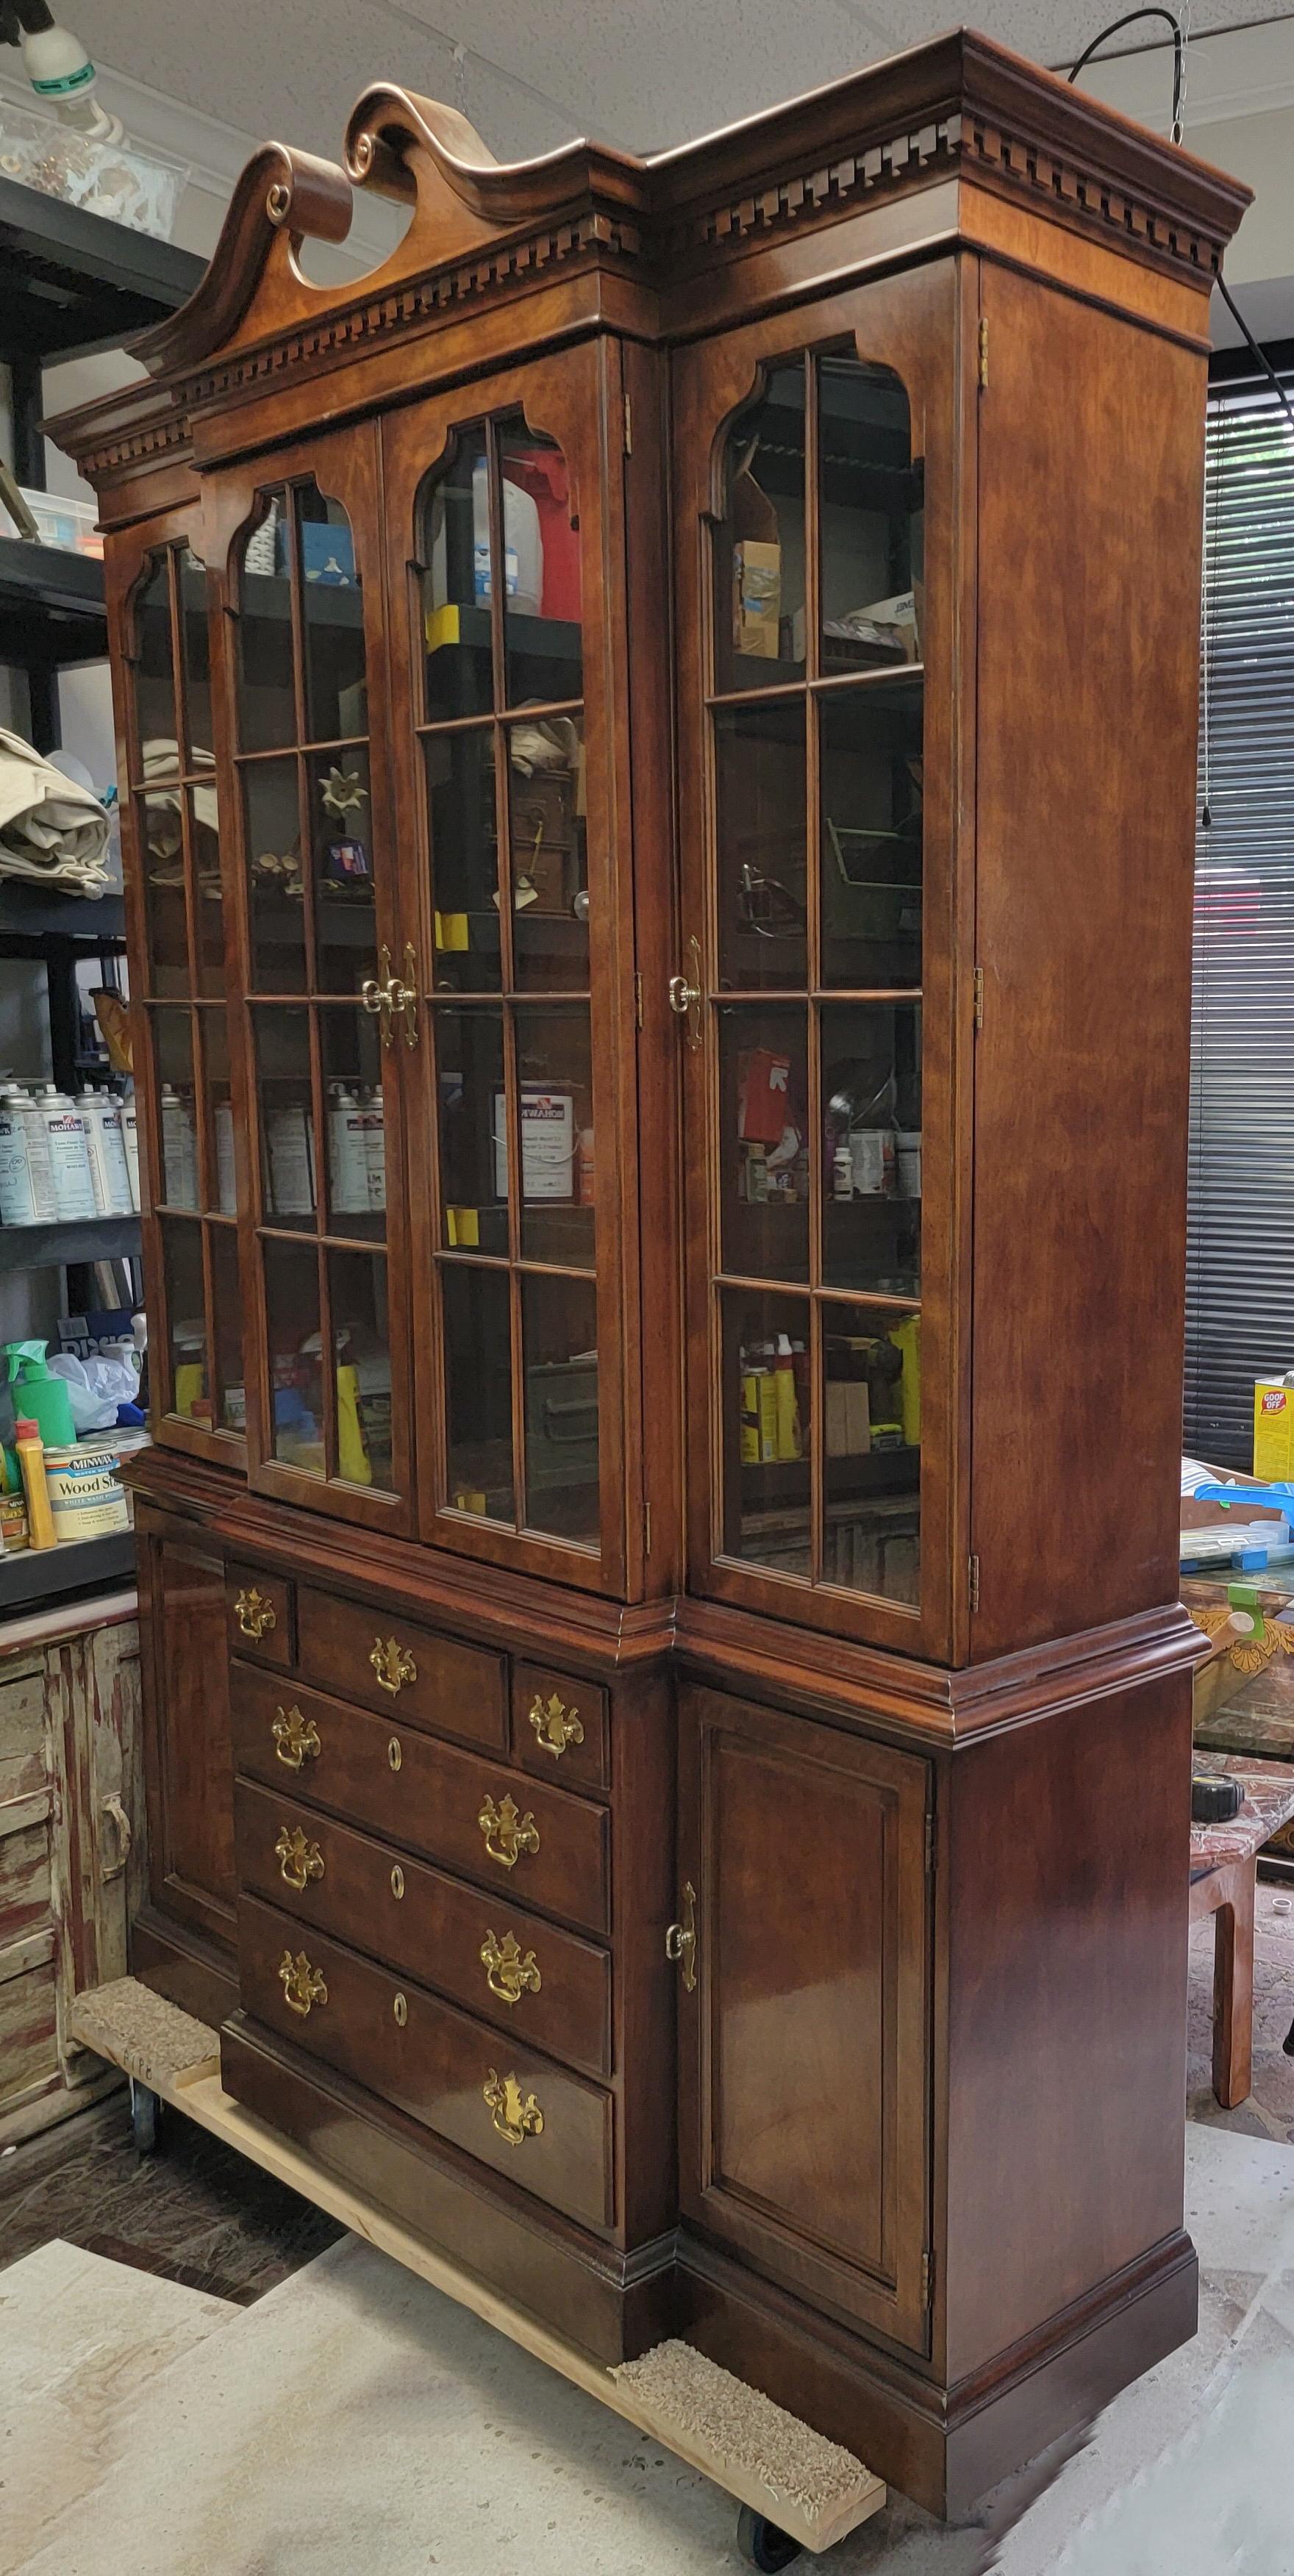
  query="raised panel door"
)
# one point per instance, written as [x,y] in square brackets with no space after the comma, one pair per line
[804,2035]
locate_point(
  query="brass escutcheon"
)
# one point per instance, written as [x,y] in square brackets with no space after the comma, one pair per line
[516,2116]
[507,1974]
[393,1664]
[302,1985]
[400,2008]
[255,1615]
[394,1753]
[397,1880]
[555,1727]
[298,1858]
[296,1738]
[680,1939]
[507,1834]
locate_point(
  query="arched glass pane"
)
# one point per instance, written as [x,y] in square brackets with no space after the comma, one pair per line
[266,686]
[759,589]
[541,589]
[453,543]
[332,620]
[157,747]
[869,519]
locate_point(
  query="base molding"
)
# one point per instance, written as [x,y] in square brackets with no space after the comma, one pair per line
[613,2305]
[180,1965]
[944,2448]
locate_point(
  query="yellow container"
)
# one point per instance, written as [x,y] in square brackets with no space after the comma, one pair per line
[1273,1430]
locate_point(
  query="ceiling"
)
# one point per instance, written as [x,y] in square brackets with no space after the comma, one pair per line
[645,76]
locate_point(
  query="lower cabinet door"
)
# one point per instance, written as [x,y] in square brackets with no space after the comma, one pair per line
[805,2036]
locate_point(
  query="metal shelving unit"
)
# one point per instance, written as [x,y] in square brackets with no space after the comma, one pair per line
[73,283]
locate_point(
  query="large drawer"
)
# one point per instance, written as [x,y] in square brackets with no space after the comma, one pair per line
[390,1663]
[515,1836]
[529,2119]
[542,1986]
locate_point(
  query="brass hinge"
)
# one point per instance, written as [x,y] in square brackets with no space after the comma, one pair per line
[930,1842]
[927,2278]
[979,997]
[983,351]
[629,426]
[973,1572]
[638,996]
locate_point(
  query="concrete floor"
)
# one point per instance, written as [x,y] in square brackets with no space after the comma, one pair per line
[355,2420]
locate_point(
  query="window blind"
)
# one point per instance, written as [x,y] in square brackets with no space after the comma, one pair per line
[1240,1225]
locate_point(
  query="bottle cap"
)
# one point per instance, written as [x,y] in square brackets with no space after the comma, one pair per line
[26,1430]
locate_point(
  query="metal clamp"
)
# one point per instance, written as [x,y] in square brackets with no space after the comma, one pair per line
[685,998]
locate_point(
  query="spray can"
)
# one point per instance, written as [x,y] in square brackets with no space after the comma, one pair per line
[226,1179]
[179,1149]
[24,1108]
[17,1183]
[375,1145]
[108,1174]
[347,1152]
[290,1138]
[69,1157]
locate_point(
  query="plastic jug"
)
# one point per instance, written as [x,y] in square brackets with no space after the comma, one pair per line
[44,1399]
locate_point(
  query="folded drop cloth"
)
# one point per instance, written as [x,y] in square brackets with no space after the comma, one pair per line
[51,830]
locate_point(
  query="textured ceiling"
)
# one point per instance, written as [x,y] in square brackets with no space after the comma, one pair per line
[646,75]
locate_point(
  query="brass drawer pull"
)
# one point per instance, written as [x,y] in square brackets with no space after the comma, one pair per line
[393,1664]
[507,1974]
[296,1738]
[555,1727]
[302,1985]
[680,1939]
[507,1834]
[255,1615]
[298,1858]
[400,2008]
[397,1880]
[515,2116]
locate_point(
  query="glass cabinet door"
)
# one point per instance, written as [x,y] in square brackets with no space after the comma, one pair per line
[816,868]
[495,514]
[181,1036]
[320,972]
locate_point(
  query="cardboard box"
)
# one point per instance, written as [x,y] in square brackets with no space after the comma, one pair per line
[849,1432]
[756,597]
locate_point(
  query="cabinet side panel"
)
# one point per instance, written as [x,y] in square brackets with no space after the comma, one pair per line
[192,1878]
[1067,2003]
[1091,469]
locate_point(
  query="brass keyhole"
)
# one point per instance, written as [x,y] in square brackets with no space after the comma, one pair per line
[393,1753]
[397,1880]
[401,2010]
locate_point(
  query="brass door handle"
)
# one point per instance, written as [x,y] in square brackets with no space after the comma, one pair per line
[393,1664]
[507,1832]
[383,994]
[303,1986]
[515,2115]
[296,1738]
[685,998]
[681,1939]
[555,1726]
[298,1858]
[255,1615]
[507,1974]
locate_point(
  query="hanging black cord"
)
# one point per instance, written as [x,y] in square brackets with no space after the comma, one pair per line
[1179,52]
[1179,56]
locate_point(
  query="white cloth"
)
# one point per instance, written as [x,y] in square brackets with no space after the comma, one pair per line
[51,830]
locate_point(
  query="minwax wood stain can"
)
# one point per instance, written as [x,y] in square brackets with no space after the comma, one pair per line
[86,1494]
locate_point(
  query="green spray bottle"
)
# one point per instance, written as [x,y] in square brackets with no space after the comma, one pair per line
[42,1398]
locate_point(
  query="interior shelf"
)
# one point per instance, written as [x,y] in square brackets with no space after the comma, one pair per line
[38,1247]
[34,911]
[31,1576]
[51,604]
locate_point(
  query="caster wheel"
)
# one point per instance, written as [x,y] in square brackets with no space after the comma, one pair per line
[145,2117]
[762,2544]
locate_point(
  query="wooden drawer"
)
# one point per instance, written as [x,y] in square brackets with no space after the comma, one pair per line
[386,1661]
[259,1615]
[543,2128]
[559,1727]
[401,1784]
[544,1987]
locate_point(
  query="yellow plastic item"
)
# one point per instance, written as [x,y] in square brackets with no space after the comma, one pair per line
[31,1460]
[451,930]
[442,626]
[463,1226]
[353,1460]
[190,1385]
[907,1338]
[1273,1431]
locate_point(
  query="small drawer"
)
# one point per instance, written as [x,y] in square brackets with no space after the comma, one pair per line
[259,1610]
[533,1845]
[366,1652]
[559,1728]
[520,2114]
[546,1988]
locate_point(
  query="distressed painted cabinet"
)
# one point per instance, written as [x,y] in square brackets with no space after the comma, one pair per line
[70,1809]
[657,738]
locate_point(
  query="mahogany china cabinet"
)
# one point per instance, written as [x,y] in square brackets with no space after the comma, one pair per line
[657,733]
